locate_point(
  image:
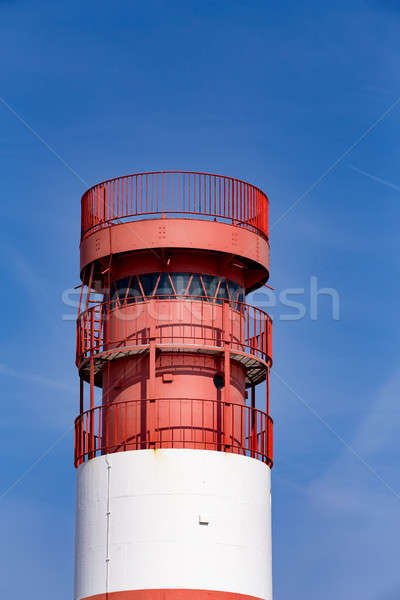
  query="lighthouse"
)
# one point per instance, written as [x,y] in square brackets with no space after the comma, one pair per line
[173,456]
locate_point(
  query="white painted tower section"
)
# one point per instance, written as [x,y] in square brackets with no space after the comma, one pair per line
[173,519]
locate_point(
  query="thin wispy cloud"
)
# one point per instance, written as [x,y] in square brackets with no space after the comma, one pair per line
[339,160]
[338,437]
[375,178]
[42,140]
[37,379]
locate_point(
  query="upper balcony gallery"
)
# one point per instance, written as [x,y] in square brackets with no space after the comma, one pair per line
[185,211]
[175,194]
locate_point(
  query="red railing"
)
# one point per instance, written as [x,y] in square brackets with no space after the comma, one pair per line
[175,194]
[174,423]
[124,324]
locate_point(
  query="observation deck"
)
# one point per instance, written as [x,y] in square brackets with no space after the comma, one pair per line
[178,209]
[184,323]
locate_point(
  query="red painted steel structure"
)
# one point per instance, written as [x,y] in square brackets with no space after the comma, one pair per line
[206,424]
[253,325]
[173,193]
[166,260]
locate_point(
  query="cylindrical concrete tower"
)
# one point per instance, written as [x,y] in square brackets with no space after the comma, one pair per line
[173,490]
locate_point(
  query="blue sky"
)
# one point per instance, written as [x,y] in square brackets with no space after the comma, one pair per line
[273,93]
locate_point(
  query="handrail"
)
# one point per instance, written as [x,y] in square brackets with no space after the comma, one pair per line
[174,194]
[248,328]
[173,423]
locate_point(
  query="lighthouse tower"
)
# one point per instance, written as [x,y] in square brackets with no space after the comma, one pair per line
[173,458]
